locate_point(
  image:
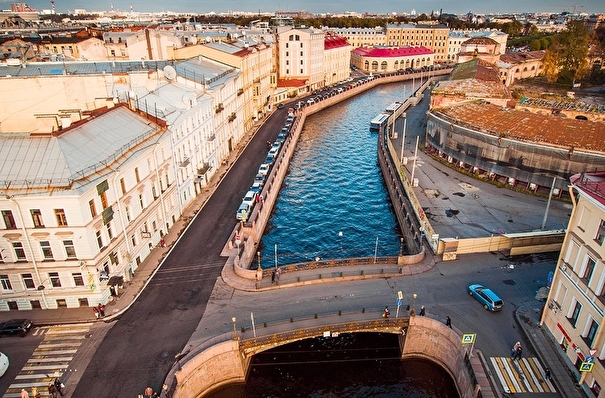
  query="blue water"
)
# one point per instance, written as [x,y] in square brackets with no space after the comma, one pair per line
[333,202]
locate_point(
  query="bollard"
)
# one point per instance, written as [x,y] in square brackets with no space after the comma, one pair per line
[291,319]
[319,276]
[363,310]
[315,316]
[298,279]
[382,271]
[341,274]
[264,324]
[339,312]
[361,273]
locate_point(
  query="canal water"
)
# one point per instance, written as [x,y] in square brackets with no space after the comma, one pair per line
[333,202]
[362,365]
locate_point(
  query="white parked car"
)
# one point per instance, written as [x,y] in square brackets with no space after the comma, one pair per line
[263,169]
[249,198]
[4,363]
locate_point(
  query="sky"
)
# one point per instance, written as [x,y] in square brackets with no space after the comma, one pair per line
[322,6]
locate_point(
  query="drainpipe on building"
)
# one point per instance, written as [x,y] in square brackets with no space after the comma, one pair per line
[30,249]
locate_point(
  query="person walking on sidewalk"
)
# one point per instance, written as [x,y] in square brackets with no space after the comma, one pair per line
[59,386]
[386,312]
[448,321]
[96,312]
[547,373]
[52,391]
[102,310]
[422,311]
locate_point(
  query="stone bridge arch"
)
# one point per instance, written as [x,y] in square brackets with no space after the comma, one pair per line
[226,360]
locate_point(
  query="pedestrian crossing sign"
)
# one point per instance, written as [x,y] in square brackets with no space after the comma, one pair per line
[468,338]
[586,367]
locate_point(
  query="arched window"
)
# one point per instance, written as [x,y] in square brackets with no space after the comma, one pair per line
[375,66]
[366,65]
[383,65]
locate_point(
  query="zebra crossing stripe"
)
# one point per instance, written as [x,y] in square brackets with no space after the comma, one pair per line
[525,375]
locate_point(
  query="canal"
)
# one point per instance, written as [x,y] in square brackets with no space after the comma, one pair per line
[333,202]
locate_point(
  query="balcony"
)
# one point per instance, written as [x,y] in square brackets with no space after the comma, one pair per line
[185,162]
[240,92]
[211,137]
[231,117]
[219,108]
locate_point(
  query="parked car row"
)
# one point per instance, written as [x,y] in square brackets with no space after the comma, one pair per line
[254,193]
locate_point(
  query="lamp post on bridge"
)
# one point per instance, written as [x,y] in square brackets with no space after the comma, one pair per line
[234,331]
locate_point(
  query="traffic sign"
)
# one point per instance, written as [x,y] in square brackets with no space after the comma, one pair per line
[586,367]
[589,359]
[400,295]
[468,338]
[592,353]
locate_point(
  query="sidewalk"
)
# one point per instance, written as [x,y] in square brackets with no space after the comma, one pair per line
[549,352]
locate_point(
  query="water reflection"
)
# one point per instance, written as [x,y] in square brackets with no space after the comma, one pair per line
[333,203]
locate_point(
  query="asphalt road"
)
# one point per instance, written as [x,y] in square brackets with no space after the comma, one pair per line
[140,348]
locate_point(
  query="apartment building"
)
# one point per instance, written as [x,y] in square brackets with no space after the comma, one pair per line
[575,308]
[457,37]
[300,56]
[81,208]
[147,44]
[432,36]
[361,37]
[254,61]
[337,59]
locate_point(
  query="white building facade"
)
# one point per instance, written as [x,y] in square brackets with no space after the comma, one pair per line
[575,310]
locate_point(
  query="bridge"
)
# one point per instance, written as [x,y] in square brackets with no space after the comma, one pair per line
[226,359]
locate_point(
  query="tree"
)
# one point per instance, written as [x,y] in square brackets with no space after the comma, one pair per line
[566,60]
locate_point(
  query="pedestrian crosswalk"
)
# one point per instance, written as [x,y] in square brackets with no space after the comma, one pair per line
[50,359]
[524,375]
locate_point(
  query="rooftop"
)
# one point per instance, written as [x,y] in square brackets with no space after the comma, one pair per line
[385,52]
[591,184]
[529,127]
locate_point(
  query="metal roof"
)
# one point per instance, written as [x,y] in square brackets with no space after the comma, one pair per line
[75,157]
[79,68]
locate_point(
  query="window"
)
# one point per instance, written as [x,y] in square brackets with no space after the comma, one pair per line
[28,281]
[576,313]
[6,283]
[104,202]
[60,216]
[78,280]
[137,177]
[123,186]
[93,208]
[127,211]
[99,239]
[19,251]
[133,240]
[47,252]
[601,233]
[9,220]
[70,250]
[109,231]
[590,265]
[37,218]
[592,332]
[141,202]
[55,281]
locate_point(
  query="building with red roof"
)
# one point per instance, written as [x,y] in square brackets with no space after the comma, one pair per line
[391,59]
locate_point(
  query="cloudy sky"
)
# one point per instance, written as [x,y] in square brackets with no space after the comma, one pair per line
[323,6]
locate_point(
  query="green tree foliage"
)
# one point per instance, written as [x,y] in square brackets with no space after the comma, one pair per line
[566,60]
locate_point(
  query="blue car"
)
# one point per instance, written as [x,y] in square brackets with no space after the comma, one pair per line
[486,297]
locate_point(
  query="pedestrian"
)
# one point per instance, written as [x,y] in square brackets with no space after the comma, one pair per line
[547,373]
[273,277]
[519,352]
[386,312]
[515,348]
[422,311]
[36,393]
[278,274]
[96,312]
[448,321]
[162,242]
[148,393]
[24,393]
[102,310]
[59,386]
[52,391]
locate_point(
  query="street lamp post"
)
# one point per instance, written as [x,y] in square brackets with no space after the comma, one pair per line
[234,331]
[401,247]
[413,311]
